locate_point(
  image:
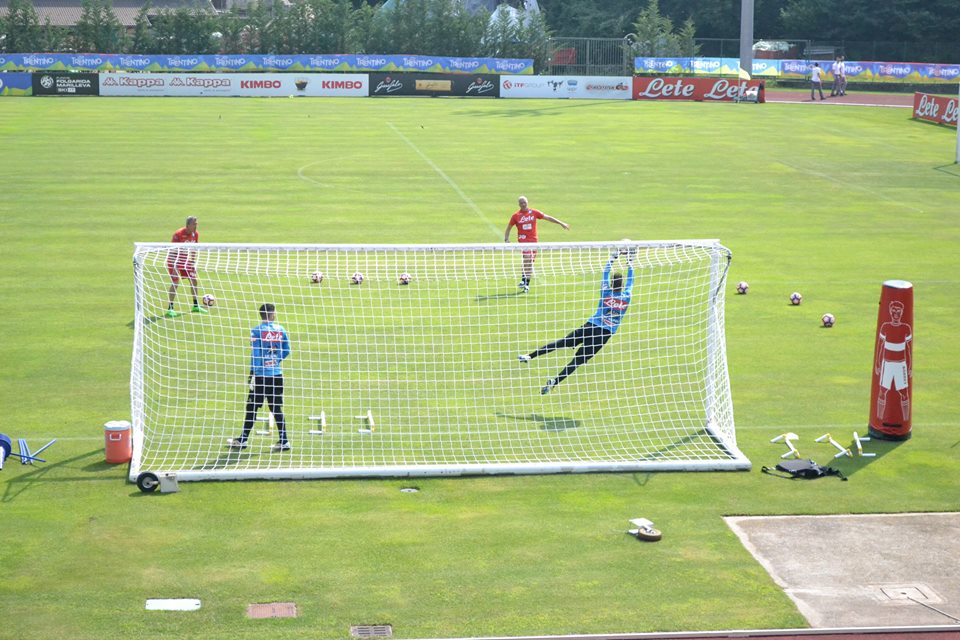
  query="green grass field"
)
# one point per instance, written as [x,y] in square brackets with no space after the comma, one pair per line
[827,201]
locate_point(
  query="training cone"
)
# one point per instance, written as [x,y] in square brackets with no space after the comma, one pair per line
[891,392]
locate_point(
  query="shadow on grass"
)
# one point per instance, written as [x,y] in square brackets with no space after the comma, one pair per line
[543,111]
[498,296]
[17,485]
[547,423]
[146,322]
[952,169]
[849,466]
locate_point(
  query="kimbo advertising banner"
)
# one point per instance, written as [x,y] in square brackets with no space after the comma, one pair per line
[234,84]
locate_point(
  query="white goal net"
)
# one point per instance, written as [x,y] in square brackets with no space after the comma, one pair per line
[391,379]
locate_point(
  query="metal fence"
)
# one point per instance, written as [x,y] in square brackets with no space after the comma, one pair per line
[805,49]
[590,57]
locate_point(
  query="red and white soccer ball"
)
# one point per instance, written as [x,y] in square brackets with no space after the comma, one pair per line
[317,277]
[405,278]
[828,320]
[209,300]
[356,278]
[796,298]
[742,287]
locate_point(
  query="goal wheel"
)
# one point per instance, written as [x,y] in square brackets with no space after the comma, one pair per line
[148,482]
[649,534]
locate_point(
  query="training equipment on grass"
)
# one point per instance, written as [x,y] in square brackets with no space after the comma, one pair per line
[404,278]
[843,450]
[788,439]
[858,443]
[316,277]
[644,530]
[320,424]
[356,278]
[424,380]
[742,288]
[796,298]
[891,391]
[209,300]
[828,320]
[25,455]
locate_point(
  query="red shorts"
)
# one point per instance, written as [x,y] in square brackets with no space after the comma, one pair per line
[529,254]
[177,271]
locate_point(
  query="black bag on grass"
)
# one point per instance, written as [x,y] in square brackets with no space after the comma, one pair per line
[806,469]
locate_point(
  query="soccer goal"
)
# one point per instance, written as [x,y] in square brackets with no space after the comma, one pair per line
[415,371]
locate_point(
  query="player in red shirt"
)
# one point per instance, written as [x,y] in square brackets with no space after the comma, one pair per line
[525,220]
[180,265]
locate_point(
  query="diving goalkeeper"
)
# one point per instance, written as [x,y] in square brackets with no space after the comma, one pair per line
[614,299]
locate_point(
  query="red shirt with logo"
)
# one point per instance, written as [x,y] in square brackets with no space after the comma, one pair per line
[526,224]
[182,259]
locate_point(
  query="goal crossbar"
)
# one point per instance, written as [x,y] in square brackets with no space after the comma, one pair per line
[419,375]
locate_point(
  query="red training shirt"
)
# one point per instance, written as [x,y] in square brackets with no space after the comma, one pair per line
[182,258]
[526,224]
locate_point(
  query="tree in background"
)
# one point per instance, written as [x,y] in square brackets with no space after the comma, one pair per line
[425,27]
[142,40]
[98,30]
[654,35]
[21,28]
[518,34]
[185,31]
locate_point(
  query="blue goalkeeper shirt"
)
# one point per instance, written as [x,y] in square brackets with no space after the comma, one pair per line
[270,347]
[613,305]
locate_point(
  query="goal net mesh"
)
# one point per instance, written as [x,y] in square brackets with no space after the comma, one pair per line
[433,362]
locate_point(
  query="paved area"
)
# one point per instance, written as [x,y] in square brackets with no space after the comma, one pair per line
[896,570]
[865,99]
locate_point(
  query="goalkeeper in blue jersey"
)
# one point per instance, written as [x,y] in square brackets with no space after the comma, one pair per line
[270,346]
[615,295]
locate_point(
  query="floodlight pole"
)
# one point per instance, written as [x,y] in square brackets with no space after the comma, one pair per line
[746,37]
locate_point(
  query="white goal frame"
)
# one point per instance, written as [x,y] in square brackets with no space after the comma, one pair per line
[183,435]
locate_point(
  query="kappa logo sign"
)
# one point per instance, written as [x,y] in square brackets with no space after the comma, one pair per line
[700,89]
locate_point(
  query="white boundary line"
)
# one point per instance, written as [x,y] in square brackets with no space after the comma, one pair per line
[448,180]
[732,633]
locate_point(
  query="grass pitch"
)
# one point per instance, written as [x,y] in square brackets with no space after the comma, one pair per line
[826,201]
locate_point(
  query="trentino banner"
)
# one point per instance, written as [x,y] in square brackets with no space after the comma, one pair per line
[256,62]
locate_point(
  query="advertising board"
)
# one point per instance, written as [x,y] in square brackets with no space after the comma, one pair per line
[53,83]
[939,109]
[434,84]
[234,84]
[15,83]
[700,89]
[582,87]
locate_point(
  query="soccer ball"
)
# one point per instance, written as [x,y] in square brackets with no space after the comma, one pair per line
[828,320]
[209,300]
[357,278]
[405,278]
[317,277]
[742,287]
[796,298]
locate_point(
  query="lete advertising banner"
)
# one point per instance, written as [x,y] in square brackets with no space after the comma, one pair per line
[16,84]
[234,84]
[577,87]
[708,89]
[257,62]
[939,109]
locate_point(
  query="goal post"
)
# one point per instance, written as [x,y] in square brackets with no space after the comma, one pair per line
[420,375]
